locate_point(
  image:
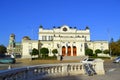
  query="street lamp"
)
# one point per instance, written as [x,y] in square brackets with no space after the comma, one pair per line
[110,51]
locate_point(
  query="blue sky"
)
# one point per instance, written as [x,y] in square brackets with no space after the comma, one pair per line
[23,17]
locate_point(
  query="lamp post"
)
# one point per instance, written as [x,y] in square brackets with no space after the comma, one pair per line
[110,51]
[109,44]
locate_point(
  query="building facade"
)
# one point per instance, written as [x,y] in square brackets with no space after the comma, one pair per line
[67,40]
[27,46]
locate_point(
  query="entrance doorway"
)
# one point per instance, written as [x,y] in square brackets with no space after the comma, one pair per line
[69,51]
[63,51]
[74,51]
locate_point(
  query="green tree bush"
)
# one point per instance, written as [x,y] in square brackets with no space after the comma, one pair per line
[89,52]
[54,51]
[97,51]
[44,52]
[106,51]
[35,52]
[2,49]
[115,48]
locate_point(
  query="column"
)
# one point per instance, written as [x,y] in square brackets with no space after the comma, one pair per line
[72,50]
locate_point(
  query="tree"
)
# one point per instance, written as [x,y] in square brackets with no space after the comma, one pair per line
[115,48]
[35,52]
[118,41]
[2,49]
[54,51]
[98,51]
[44,52]
[106,51]
[89,52]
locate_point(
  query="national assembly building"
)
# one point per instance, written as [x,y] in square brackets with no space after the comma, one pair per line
[67,40]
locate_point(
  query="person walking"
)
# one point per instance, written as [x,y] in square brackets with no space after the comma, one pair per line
[61,57]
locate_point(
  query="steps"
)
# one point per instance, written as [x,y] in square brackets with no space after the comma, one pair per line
[74,57]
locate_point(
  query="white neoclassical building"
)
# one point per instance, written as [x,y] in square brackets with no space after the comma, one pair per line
[67,40]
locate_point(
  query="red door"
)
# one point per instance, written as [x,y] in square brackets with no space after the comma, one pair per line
[74,51]
[69,51]
[63,51]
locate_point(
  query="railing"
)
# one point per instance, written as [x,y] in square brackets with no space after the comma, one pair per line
[43,71]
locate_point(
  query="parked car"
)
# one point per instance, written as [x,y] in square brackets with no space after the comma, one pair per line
[88,60]
[2,55]
[7,60]
[117,60]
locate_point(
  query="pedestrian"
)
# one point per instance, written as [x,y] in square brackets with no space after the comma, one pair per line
[61,58]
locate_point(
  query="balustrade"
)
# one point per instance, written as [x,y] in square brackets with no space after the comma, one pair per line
[41,71]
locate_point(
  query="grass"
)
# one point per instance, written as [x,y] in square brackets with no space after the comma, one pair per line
[37,62]
[51,61]
[100,57]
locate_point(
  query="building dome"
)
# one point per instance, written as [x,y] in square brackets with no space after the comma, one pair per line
[12,35]
[26,38]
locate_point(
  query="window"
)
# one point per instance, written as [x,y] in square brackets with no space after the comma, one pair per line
[51,37]
[44,38]
[64,29]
